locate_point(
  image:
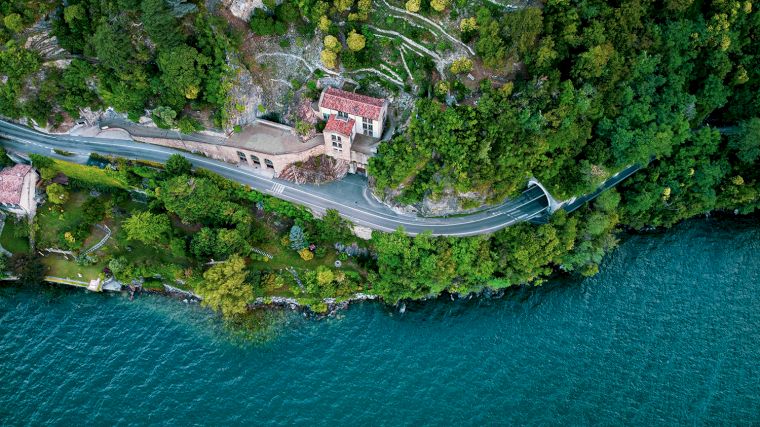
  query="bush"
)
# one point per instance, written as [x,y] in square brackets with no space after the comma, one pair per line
[306,254]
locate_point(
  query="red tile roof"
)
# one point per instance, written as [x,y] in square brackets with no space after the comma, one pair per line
[12,182]
[352,103]
[341,126]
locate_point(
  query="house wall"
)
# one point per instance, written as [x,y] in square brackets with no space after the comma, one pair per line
[229,154]
[377,125]
[345,154]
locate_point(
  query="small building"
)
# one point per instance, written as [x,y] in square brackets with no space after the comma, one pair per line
[354,126]
[17,190]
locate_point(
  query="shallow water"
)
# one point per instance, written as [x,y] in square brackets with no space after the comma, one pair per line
[668,333]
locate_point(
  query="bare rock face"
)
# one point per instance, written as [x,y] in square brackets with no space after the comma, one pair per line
[245,96]
[242,8]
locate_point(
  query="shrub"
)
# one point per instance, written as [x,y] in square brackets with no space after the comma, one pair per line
[57,194]
[306,254]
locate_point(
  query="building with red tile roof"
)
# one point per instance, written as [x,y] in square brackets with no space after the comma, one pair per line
[17,190]
[354,125]
[341,126]
[367,112]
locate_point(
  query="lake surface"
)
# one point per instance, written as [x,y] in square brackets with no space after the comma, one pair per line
[668,333]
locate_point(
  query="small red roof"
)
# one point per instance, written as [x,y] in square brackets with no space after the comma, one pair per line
[12,182]
[352,103]
[341,126]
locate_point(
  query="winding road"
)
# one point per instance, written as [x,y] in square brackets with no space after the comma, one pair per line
[349,196]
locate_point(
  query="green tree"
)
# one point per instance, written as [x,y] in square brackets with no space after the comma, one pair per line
[746,142]
[203,244]
[177,165]
[149,228]
[297,238]
[182,69]
[224,287]
[355,41]
[13,22]
[28,267]
[57,194]
[160,25]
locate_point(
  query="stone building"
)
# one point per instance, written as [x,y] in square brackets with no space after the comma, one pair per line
[354,126]
[18,190]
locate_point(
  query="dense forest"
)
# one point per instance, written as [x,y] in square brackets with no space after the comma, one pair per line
[604,85]
[599,85]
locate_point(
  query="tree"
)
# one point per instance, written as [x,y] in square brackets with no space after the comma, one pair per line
[28,267]
[355,41]
[112,46]
[13,22]
[329,58]
[224,287]
[228,242]
[177,164]
[57,194]
[325,276]
[297,238]
[439,5]
[160,25]
[164,116]
[746,142]
[149,228]
[331,43]
[461,65]
[181,71]
[203,244]
[413,6]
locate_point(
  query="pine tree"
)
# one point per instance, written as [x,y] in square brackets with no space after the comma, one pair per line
[297,238]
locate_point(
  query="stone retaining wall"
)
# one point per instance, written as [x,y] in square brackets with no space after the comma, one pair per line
[275,163]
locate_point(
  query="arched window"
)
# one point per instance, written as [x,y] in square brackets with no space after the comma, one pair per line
[255,160]
[269,163]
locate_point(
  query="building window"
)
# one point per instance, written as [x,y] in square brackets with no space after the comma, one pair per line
[337,142]
[367,126]
[269,163]
[255,160]
[242,157]
[342,115]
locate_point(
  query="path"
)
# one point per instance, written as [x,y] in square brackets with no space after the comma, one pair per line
[434,24]
[102,242]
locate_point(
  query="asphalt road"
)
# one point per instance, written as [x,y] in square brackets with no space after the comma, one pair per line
[349,196]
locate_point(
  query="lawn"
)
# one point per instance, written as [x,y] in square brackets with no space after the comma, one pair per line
[51,221]
[58,266]
[14,238]
[92,174]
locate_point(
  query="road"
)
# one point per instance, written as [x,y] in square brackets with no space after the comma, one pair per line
[350,196]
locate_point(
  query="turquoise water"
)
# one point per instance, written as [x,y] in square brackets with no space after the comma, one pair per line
[668,333]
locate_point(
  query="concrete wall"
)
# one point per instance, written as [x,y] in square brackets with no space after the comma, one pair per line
[230,154]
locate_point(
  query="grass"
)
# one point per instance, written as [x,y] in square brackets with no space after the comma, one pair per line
[9,239]
[52,221]
[58,266]
[92,174]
